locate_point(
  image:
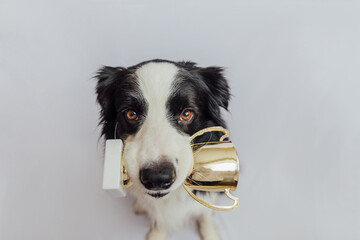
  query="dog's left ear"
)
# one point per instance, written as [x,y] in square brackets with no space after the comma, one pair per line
[217,84]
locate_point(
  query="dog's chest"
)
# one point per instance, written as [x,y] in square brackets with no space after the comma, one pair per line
[177,210]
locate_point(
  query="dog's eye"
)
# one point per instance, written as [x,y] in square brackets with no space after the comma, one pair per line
[186,116]
[132,115]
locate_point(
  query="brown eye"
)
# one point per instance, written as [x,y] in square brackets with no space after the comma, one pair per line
[186,116]
[131,115]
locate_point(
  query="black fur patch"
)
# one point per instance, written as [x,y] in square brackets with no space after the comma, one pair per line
[118,91]
[204,91]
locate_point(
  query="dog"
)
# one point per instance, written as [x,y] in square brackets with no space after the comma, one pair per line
[154,107]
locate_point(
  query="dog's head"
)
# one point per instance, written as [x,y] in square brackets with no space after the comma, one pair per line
[154,107]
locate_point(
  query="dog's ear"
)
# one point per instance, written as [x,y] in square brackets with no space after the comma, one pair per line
[106,79]
[218,86]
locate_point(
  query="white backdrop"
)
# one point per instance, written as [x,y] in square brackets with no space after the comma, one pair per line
[294,69]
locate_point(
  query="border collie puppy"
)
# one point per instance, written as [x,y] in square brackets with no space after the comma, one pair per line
[154,107]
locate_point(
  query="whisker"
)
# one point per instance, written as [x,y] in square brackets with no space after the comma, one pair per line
[205,143]
[194,181]
[200,174]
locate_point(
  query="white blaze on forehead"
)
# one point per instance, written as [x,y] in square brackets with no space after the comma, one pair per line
[155,81]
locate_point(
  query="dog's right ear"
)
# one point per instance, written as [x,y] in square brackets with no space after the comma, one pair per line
[106,79]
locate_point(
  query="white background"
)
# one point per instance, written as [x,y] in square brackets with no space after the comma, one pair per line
[294,69]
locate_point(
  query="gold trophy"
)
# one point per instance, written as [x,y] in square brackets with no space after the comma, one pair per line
[215,168]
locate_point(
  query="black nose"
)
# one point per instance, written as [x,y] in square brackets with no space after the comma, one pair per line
[158,176]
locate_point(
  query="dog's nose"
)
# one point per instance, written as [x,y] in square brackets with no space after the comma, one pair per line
[158,176]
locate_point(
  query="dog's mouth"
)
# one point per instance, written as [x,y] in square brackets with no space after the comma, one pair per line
[157,194]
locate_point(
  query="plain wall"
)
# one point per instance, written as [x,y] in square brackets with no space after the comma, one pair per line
[294,70]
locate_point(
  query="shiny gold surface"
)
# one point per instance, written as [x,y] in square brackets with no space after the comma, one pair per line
[215,168]
[214,206]
[125,179]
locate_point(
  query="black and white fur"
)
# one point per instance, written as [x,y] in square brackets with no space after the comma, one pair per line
[158,91]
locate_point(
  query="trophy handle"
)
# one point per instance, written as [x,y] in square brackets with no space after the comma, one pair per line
[213,206]
[212,129]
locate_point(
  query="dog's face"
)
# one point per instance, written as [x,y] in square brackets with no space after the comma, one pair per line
[154,107]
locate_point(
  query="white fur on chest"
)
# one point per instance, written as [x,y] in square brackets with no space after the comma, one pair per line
[176,210]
